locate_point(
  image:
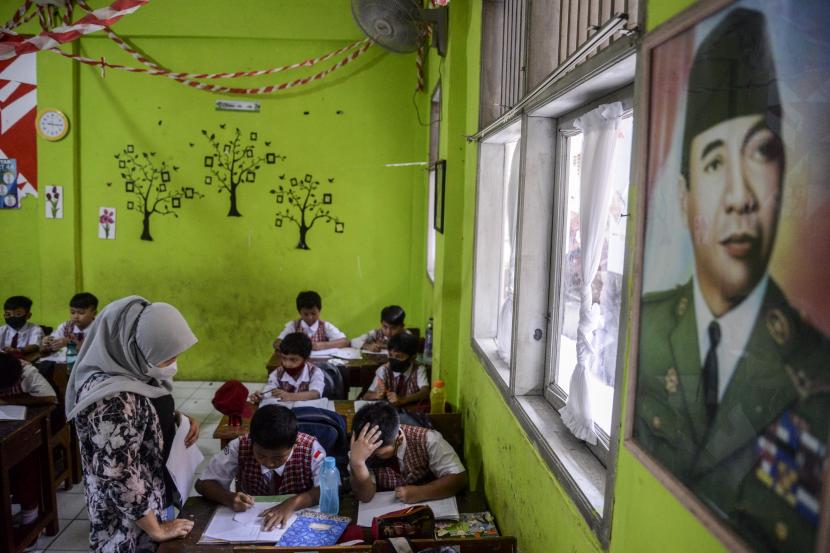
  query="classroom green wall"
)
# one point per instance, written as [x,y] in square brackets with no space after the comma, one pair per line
[234,278]
[524,495]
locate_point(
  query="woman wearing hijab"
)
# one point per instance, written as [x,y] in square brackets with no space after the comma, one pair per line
[119,396]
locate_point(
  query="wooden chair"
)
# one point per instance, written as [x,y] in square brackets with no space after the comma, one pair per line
[450,426]
[65,453]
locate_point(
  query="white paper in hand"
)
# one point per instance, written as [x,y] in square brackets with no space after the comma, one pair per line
[183,461]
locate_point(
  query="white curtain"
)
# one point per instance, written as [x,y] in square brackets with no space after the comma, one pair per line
[504,330]
[599,130]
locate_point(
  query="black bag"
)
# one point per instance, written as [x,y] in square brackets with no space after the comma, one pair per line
[327,426]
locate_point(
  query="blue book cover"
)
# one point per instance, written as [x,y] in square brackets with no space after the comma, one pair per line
[312,528]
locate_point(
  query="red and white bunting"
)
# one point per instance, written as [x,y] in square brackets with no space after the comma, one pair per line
[90,23]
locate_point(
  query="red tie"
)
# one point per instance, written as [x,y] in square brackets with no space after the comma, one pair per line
[14,341]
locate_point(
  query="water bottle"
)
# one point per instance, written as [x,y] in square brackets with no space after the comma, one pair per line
[71,354]
[428,341]
[329,487]
[437,398]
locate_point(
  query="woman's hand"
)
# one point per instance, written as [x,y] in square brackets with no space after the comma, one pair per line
[193,433]
[172,529]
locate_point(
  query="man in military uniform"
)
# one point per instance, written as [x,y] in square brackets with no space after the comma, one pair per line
[733,389]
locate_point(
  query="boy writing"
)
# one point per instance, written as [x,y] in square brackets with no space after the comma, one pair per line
[400,381]
[324,335]
[273,459]
[295,379]
[391,324]
[82,310]
[18,336]
[21,382]
[416,462]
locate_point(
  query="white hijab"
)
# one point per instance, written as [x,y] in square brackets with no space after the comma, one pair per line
[127,337]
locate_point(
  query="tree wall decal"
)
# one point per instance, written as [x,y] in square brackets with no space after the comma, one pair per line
[305,206]
[234,162]
[149,182]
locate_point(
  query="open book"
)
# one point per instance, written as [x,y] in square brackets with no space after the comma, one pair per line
[227,526]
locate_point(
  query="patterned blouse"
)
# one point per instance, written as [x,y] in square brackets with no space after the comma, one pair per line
[121,451]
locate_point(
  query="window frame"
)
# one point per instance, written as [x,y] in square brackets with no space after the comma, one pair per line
[555,395]
[433,154]
[586,480]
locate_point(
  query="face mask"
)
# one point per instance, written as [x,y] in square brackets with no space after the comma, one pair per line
[397,365]
[16,322]
[162,373]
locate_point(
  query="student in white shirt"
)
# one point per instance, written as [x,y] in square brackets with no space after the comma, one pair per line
[417,463]
[401,381]
[18,378]
[295,379]
[324,335]
[82,310]
[391,324]
[18,336]
[275,458]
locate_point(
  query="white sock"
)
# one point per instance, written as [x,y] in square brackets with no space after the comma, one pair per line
[28,516]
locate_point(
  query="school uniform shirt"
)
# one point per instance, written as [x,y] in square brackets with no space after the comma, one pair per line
[430,453]
[31,382]
[225,465]
[310,380]
[373,336]
[331,332]
[383,374]
[66,329]
[28,335]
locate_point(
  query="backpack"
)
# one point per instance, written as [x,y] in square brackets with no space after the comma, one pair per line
[327,426]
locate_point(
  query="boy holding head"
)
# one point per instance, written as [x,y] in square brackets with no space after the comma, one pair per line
[417,463]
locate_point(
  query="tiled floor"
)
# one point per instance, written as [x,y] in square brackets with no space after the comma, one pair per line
[192,398]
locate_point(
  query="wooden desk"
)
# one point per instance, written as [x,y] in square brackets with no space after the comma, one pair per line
[200,510]
[448,424]
[19,439]
[356,372]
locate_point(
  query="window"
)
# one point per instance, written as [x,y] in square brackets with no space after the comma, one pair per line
[530,264]
[606,286]
[434,137]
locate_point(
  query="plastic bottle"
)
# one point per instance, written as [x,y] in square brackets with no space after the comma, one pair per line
[437,398]
[71,354]
[329,487]
[428,341]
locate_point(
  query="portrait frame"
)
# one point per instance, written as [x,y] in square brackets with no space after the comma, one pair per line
[727,531]
[440,168]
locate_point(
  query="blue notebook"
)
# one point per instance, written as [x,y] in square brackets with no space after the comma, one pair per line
[312,528]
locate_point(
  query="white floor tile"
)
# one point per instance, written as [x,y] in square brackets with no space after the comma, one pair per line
[207,429]
[214,385]
[204,393]
[187,384]
[213,417]
[198,408]
[76,488]
[70,505]
[74,537]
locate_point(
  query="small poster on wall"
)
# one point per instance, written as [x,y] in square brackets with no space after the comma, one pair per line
[54,202]
[106,223]
[8,184]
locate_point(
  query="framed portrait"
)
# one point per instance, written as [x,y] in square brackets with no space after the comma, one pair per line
[440,168]
[729,387]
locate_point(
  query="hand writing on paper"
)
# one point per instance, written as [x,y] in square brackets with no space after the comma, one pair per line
[277,515]
[408,494]
[365,444]
[241,502]
[373,347]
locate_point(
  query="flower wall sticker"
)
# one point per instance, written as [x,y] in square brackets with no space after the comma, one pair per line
[54,202]
[305,206]
[106,223]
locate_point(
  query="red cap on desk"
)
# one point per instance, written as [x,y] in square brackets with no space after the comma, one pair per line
[231,399]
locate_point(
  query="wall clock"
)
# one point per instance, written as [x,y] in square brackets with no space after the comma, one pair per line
[52,124]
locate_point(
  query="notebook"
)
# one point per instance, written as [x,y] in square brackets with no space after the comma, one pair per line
[12,412]
[314,529]
[385,502]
